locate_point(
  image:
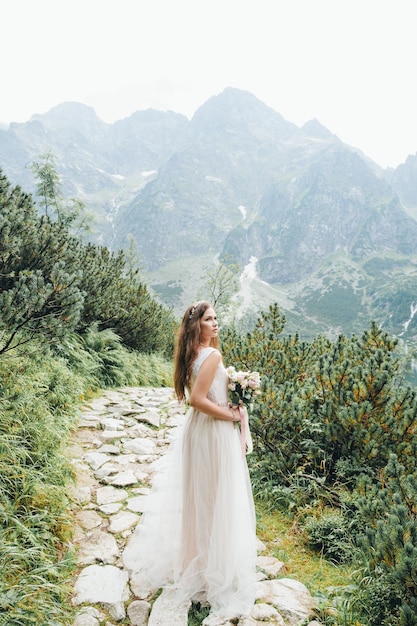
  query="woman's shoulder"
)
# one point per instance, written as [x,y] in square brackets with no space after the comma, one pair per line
[208,351]
[205,353]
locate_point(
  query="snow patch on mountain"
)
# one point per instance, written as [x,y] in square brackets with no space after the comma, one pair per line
[413,311]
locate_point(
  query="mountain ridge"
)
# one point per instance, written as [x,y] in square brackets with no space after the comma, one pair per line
[238,182]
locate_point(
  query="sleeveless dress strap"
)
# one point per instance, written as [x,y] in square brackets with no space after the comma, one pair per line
[202,356]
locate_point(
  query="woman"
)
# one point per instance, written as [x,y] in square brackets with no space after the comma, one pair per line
[198,534]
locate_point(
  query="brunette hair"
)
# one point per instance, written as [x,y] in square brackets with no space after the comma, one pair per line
[188,345]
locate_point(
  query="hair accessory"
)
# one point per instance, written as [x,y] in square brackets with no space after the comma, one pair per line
[193,308]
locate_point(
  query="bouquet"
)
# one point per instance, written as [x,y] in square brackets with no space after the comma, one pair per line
[243,386]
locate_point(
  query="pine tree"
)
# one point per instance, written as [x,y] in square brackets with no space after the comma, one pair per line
[39,293]
[51,282]
[117,298]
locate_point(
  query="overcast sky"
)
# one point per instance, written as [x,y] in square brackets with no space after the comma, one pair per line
[349,63]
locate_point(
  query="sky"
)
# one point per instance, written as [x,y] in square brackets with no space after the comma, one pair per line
[351,64]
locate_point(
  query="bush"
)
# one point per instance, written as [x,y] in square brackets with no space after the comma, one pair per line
[52,282]
[329,411]
[388,580]
[335,427]
[329,534]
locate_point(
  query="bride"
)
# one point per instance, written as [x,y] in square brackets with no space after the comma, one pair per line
[198,533]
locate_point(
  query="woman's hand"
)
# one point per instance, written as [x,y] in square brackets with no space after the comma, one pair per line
[236,415]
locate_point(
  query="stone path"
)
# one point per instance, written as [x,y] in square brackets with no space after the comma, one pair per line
[119,437]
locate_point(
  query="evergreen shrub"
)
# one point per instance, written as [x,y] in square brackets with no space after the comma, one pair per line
[387,592]
[52,282]
[330,412]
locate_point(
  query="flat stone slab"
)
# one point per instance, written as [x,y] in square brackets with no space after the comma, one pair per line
[96,459]
[104,584]
[122,521]
[262,613]
[140,430]
[106,495]
[109,435]
[138,612]
[151,417]
[167,611]
[86,620]
[97,546]
[137,504]
[140,445]
[112,423]
[111,509]
[123,479]
[89,519]
[270,565]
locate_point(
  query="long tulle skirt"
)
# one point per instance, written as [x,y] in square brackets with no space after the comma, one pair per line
[198,531]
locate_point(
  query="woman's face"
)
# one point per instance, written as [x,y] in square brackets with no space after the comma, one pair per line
[208,326]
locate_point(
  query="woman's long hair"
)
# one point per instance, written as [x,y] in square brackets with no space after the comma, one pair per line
[188,346]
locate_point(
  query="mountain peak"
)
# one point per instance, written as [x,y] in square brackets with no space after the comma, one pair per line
[70,115]
[67,110]
[314,129]
[236,110]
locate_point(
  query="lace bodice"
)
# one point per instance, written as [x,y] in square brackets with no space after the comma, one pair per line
[218,390]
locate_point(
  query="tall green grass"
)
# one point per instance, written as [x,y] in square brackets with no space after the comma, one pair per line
[39,396]
[102,359]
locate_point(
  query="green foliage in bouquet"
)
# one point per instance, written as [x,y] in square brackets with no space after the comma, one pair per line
[243,386]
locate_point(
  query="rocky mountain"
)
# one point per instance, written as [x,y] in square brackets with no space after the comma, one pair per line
[313,223]
[404,182]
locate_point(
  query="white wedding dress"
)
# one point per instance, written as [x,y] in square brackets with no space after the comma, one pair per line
[198,533]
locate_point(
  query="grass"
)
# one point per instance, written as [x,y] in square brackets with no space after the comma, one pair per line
[330,584]
[196,614]
[35,524]
[284,540]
